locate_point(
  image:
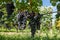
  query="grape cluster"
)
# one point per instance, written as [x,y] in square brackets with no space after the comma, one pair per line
[9,8]
[1,13]
[34,21]
[21,20]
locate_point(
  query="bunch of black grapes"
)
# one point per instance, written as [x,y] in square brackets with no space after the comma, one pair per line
[10,8]
[38,17]
[22,20]
[32,23]
[1,14]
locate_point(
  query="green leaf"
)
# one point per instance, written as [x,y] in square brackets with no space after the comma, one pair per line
[53,2]
[58,7]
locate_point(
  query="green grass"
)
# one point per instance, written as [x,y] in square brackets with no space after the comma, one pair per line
[45,34]
[26,37]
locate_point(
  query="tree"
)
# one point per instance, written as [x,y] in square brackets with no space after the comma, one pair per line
[53,2]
